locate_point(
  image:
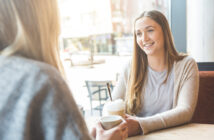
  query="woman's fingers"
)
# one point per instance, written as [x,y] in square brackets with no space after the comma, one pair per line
[99,127]
[123,125]
[122,128]
[93,132]
[126,116]
[119,132]
[125,132]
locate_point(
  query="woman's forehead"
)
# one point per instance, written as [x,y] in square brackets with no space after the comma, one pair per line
[145,22]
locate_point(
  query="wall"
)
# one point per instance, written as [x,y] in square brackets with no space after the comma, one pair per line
[200,29]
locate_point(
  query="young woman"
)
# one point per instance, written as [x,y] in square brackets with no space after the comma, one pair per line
[159,85]
[35,102]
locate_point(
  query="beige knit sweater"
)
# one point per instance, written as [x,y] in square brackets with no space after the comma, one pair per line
[186,83]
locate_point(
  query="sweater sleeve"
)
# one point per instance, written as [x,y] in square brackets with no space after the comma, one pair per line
[55,114]
[186,101]
[121,86]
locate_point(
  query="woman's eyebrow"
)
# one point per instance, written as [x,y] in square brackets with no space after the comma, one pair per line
[149,27]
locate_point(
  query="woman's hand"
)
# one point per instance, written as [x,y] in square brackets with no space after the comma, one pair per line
[93,131]
[133,125]
[119,132]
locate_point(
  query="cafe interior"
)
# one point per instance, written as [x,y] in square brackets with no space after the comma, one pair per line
[192,27]
[96,42]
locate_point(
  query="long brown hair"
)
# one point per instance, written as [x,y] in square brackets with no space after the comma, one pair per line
[30,28]
[139,66]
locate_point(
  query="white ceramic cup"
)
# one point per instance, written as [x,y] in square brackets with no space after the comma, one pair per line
[110,121]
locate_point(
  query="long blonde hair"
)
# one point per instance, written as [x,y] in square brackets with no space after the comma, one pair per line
[30,28]
[139,66]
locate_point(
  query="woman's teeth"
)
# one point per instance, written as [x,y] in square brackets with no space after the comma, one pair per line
[148,44]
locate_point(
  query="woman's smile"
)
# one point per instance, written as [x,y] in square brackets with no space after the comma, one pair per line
[148,45]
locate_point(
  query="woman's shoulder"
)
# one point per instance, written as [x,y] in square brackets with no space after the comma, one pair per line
[127,64]
[32,78]
[37,67]
[187,60]
[186,65]
[30,70]
[126,67]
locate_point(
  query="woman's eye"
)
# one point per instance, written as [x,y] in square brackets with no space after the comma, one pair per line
[150,30]
[138,34]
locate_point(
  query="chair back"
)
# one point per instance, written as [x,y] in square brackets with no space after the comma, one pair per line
[97,91]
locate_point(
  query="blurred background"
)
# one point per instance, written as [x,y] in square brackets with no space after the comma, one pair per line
[97,37]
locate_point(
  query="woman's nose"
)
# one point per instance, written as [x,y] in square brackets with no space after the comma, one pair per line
[145,37]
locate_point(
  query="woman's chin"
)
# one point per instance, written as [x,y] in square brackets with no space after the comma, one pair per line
[148,52]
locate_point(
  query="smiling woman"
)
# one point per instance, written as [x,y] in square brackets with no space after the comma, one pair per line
[159,85]
[149,36]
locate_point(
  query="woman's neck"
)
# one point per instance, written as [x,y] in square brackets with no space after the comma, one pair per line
[157,63]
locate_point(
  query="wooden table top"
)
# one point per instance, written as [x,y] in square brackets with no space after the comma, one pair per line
[191,131]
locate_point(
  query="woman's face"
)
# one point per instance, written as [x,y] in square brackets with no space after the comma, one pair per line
[149,36]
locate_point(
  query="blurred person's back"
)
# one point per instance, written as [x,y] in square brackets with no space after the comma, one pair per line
[35,101]
[30,108]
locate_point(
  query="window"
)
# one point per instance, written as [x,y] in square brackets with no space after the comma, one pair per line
[97,39]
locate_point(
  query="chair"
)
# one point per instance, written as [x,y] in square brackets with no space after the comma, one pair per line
[98,94]
[204,112]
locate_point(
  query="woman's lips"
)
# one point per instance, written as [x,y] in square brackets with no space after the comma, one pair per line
[148,45]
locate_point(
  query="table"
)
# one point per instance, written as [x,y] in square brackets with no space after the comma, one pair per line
[191,131]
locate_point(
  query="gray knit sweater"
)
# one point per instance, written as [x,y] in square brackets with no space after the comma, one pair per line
[36,104]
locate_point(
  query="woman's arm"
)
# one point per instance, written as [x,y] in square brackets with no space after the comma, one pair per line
[186,102]
[122,83]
